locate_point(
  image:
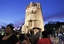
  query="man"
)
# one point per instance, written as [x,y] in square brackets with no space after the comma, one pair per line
[34,37]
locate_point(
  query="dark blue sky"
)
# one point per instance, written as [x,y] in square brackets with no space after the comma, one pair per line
[13,11]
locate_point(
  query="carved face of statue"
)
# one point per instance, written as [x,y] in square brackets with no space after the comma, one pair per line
[31,10]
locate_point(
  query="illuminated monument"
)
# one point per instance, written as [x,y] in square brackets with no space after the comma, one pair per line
[33,17]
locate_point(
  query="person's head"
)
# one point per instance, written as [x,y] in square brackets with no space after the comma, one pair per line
[45,34]
[31,32]
[9,29]
[59,32]
[22,37]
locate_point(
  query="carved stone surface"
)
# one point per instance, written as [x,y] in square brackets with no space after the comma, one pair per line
[33,17]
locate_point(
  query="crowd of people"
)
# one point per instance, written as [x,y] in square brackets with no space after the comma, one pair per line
[41,37]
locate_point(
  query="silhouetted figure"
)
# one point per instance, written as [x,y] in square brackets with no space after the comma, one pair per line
[24,39]
[34,37]
[0,38]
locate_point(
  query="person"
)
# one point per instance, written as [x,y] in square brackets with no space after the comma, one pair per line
[45,39]
[34,36]
[24,39]
[9,38]
[0,36]
[18,34]
[61,38]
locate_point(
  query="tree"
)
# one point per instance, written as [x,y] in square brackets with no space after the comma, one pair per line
[53,26]
[3,27]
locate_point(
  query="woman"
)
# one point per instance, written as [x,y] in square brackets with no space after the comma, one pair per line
[45,39]
[9,38]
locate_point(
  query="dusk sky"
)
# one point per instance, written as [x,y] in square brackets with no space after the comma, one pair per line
[13,11]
